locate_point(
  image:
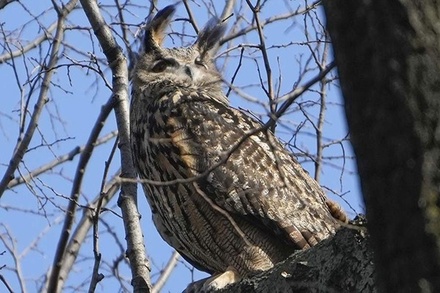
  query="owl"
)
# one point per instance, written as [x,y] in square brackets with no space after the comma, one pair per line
[222,189]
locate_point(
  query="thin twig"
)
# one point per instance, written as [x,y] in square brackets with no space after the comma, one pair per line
[10,244]
[269,92]
[290,97]
[269,20]
[74,195]
[166,272]
[191,17]
[58,161]
[84,225]
[235,72]
[96,276]
[23,144]
[321,118]
[5,282]
[227,10]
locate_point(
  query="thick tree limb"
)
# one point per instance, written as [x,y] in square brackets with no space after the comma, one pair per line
[339,264]
[135,242]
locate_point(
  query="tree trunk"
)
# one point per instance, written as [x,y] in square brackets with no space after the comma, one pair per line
[388,57]
[339,264]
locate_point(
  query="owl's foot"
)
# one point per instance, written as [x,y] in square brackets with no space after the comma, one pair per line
[336,211]
[215,282]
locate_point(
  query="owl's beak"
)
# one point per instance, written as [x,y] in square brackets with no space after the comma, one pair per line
[188,71]
[194,73]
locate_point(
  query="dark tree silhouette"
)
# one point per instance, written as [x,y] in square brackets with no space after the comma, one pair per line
[388,58]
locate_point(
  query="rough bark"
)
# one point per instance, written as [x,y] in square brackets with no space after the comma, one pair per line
[388,58]
[339,264]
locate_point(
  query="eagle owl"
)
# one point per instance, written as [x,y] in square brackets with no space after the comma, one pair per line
[222,189]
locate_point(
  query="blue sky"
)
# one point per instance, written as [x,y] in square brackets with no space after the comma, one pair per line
[72,111]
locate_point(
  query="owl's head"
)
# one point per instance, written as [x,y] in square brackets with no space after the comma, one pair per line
[191,67]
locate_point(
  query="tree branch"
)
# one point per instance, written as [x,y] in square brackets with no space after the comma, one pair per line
[342,263]
[127,200]
[166,272]
[55,280]
[23,144]
[33,44]
[58,161]
[83,227]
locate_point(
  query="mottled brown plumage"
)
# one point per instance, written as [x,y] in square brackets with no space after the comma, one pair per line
[222,189]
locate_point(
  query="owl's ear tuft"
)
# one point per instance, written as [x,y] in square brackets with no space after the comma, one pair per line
[155,28]
[208,40]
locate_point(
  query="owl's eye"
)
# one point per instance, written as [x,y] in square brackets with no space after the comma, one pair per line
[200,62]
[163,64]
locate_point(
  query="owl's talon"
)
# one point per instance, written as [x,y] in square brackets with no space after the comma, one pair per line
[215,282]
[220,281]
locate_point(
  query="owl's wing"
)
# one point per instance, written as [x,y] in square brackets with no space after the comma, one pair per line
[248,172]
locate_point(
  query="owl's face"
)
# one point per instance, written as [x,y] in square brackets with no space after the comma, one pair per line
[183,66]
[190,67]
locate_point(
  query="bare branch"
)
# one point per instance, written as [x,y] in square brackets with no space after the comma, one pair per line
[227,10]
[23,144]
[321,117]
[96,276]
[127,201]
[166,272]
[83,227]
[270,92]
[31,45]
[268,20]
[10,244]
[55,280]
[5,282]
[191,18]
[290,97]
[58,161]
